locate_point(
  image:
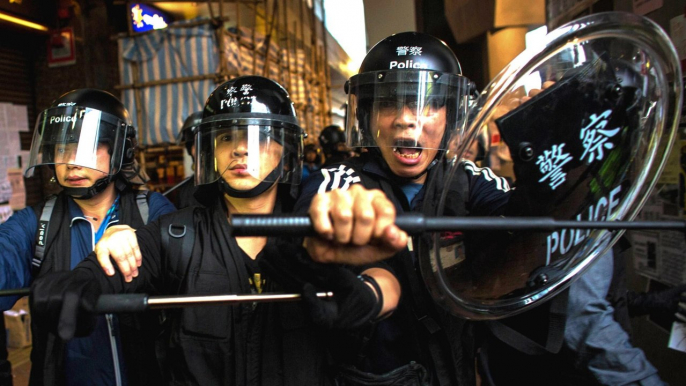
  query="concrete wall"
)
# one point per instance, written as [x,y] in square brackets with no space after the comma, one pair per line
[384,18]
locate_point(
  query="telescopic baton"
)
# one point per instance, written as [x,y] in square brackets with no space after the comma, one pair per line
[415,223]
[107,304]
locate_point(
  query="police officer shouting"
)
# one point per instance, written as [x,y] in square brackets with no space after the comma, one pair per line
[405,105]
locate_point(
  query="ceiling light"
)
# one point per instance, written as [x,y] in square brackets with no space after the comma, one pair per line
[22,22]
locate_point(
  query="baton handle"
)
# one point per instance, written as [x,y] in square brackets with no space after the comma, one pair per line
[111,304]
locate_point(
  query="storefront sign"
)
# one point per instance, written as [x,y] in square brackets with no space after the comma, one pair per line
[146,18]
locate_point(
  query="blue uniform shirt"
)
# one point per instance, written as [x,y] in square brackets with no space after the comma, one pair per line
[88,360]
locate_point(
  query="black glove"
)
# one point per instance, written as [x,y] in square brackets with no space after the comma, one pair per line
[670,301]
[63,303]
[354,303]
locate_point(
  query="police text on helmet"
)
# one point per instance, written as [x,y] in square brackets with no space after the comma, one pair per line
[66,118]
[407,64]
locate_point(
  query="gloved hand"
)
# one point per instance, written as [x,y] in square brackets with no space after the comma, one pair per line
[354,303]
[669,301]
[63,303]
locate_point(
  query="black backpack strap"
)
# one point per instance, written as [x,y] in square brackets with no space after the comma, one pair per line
[143,207]
[42,232]
[177,233]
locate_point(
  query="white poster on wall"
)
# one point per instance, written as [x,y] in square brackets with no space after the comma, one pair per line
[5,212]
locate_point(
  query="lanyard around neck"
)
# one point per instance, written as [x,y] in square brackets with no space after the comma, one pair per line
[106,220]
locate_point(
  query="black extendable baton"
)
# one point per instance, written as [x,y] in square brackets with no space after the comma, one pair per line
[270,225]
[107,304]
[415,223]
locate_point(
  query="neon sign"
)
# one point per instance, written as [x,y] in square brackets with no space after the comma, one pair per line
[146,18]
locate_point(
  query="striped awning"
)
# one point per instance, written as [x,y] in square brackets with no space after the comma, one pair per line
[167,57]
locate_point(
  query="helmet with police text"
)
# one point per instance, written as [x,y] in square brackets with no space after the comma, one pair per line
[186,136]
[75,127]
[249,137]
[330,138]
[409,96]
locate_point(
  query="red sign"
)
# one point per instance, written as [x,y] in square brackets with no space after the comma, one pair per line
[61,50]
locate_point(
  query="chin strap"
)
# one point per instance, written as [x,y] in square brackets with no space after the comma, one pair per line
[257,190]
[89,192]
[254,192]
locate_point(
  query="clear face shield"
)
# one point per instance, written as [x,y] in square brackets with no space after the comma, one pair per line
[245,155]
[405,110]
[78,136]
[581,128]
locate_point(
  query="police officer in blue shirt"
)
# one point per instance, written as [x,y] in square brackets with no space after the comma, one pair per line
[86,138]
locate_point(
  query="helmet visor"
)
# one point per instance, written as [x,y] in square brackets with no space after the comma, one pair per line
[245,154]
[406,109]
[72,135]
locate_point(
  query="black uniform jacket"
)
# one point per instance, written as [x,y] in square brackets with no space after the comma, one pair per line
[246,344]
[418,331]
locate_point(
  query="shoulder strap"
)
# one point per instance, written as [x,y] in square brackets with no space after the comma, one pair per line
[177,233]
[42,232]
[143,207]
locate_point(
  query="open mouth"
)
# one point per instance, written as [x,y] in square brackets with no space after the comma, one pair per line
[407,152]
[407,149]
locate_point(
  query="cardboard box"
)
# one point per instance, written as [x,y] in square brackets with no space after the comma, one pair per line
[18,326]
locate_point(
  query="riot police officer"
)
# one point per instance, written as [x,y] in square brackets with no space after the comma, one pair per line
[86,138]
[249,161]
[182,194]
[404,106]
[333,142]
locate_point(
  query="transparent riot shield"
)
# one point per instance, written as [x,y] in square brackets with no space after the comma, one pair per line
[578,129]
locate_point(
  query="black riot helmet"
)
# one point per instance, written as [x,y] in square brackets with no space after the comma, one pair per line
[330,137]
[249,138]
[187,134]
[311,148]
[408,99]
[72,129]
